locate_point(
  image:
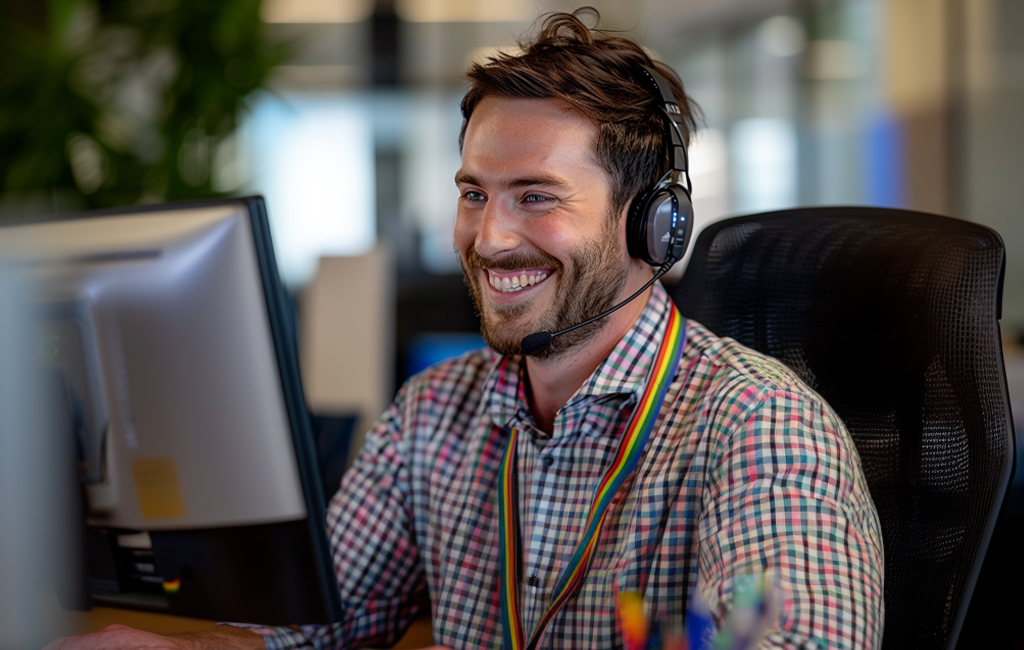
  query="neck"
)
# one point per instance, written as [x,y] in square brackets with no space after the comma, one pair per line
[553,381]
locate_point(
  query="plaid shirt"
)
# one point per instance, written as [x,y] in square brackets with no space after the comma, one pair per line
[746,471]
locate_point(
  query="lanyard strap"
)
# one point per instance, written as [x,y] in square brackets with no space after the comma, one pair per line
[631,449]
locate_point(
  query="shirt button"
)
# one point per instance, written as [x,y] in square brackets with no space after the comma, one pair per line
[548,461]
[533,581]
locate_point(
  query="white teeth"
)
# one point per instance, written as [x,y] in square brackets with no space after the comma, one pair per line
[516,282]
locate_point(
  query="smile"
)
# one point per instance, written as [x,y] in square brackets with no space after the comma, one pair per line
[516,280]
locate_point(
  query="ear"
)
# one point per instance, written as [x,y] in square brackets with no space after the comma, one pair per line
[625,212]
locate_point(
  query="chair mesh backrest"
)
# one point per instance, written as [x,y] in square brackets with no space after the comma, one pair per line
[891,316]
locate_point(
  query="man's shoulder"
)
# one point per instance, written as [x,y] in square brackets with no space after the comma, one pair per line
[455,376]
[727,366]
[763,403]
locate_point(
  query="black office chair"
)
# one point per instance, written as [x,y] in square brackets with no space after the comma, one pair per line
[892,316]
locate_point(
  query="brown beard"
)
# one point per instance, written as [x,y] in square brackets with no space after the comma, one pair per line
[591,287]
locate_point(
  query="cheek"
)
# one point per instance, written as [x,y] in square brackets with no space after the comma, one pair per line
[556,237]
[606,241]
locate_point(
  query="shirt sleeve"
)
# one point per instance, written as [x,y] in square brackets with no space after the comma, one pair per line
[788,497]
[378,566]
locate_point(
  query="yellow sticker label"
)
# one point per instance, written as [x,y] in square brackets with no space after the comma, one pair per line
[156,483]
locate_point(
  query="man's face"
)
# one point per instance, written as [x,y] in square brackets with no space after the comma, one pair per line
[535,234]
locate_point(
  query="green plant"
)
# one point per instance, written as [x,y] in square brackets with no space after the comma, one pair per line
[117,102]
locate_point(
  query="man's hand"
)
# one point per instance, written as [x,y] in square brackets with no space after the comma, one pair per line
[119,637]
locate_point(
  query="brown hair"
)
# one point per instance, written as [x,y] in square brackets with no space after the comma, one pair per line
[596,73]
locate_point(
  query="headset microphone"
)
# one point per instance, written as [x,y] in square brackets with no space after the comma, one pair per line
[540,340]
[660,219]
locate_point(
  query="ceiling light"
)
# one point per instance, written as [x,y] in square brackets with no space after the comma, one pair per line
[316,11]
[464,11]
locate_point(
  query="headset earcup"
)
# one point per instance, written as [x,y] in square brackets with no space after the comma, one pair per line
[684,222]
[652,235]
[661,232]
[636,226]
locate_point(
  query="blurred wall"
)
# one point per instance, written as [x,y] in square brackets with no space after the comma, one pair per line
[990,132]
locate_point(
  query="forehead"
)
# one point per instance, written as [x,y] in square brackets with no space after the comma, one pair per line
[508,136]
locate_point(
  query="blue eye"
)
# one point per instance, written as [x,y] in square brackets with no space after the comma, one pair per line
[473,196]
[536,198]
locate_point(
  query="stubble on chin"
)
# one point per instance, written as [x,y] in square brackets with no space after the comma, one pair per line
[498,322]
[587,289]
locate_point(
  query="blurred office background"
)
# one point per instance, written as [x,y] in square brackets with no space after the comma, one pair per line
[344,114]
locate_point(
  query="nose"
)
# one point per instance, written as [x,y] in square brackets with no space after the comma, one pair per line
[497,231]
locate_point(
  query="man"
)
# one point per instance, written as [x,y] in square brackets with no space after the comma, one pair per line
[477,485]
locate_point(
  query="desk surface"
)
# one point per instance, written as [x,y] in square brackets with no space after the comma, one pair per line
[419,634]
[64,622]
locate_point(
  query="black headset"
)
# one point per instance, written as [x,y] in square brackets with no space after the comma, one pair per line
[660,219]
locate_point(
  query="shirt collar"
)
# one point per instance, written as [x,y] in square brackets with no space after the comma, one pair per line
[623,372]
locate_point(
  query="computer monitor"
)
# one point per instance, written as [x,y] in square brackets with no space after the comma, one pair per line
[168,334]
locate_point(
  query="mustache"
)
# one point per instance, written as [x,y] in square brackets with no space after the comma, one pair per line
[513,261]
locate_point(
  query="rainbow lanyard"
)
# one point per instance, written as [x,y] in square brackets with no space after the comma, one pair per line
[630,450]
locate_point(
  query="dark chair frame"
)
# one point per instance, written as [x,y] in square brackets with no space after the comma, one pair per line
[893,317]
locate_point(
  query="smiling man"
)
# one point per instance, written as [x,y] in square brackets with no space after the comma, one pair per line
[512,495]
[536,205]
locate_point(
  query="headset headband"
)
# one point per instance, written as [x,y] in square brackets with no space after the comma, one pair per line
[658,86]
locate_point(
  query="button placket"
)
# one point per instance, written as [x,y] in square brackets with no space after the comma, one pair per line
[536,509]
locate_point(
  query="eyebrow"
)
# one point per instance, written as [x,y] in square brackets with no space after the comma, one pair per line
[462,177]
